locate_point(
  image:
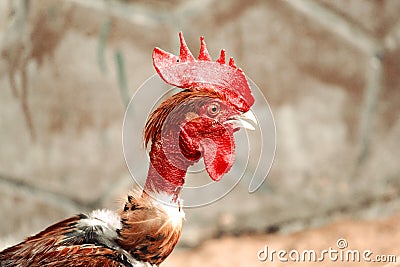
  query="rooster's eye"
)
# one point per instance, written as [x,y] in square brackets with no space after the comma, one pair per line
[213,109]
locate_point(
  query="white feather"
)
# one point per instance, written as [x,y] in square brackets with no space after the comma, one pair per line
[107,220]
[170,207]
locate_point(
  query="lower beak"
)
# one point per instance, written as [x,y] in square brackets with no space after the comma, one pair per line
[246,120]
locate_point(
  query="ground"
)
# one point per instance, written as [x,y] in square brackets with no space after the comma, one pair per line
[380,236]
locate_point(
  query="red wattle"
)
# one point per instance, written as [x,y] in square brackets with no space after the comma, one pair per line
[219,155]
[216,142]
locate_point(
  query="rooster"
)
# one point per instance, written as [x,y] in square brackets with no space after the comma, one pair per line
[198,122]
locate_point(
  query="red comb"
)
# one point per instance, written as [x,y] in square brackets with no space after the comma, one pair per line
[203,74]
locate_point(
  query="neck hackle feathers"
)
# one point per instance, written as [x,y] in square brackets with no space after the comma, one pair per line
[227,80]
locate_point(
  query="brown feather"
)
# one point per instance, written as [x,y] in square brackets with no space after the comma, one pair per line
[55,246]
[77,255]
[158,116]
[148,233]
[63,244]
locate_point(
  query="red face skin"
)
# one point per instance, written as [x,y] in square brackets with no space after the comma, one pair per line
[208,135]
[194,127]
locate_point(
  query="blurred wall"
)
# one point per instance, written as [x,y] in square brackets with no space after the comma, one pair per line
[329,69]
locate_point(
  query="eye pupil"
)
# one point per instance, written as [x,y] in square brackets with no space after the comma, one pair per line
[213,109]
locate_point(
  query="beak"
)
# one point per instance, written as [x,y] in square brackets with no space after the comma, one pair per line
[246,120]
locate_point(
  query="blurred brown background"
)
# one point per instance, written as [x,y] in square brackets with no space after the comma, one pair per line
[329,69]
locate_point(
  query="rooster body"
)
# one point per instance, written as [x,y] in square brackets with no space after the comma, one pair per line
[142,235]
[195,123]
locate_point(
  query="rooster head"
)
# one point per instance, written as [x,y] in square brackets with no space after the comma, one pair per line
[198,122]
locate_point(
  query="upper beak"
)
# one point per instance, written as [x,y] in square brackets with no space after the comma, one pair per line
[246,120]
